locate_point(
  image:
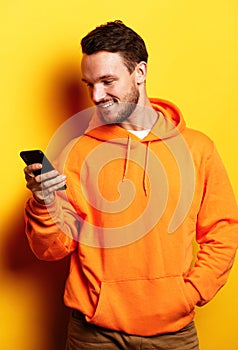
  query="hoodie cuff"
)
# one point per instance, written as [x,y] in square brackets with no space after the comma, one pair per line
[40,208]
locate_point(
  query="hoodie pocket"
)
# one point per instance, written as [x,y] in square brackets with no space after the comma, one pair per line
[144,306]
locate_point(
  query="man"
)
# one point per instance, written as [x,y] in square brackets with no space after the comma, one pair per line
[140,187]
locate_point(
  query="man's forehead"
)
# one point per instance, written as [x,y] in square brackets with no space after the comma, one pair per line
[101,65]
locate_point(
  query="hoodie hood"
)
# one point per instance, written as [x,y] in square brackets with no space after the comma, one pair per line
[171,121]
[169,124]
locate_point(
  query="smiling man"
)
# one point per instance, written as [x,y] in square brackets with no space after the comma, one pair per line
[114,90]
[141,187]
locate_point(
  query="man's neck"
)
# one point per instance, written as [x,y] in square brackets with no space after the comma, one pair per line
[143,117]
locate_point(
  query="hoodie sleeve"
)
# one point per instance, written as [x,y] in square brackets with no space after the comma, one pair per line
[217,231]
[51,230]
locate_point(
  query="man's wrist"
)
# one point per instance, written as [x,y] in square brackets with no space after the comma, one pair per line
[44,201]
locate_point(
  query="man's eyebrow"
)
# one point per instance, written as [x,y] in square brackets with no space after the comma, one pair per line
[103,77]
[107,76]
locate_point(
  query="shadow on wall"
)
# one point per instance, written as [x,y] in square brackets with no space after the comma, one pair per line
[66,97]
[50,276]
[66,94]
[69,100]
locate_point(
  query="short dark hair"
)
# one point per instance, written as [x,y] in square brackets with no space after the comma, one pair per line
[116,37]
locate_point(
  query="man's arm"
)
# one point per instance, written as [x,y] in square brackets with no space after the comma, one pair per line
[51,222]
[217,232]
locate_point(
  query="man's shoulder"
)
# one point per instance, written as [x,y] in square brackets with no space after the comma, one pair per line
[197,136]
[198,141]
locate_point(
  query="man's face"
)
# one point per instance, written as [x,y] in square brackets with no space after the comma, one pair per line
[112,88]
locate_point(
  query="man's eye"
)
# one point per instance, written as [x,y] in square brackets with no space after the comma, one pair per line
[107,82]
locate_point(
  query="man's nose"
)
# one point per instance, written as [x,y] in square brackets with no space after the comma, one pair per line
[98,93]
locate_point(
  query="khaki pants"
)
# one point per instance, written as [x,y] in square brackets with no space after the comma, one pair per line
[85,336]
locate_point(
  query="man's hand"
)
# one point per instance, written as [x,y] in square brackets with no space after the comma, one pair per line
[43,186]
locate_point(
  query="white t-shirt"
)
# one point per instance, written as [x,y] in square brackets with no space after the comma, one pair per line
[141,134]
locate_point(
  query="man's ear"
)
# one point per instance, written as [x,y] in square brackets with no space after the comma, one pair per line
[141,72]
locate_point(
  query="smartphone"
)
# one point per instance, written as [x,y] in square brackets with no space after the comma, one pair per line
[37,156]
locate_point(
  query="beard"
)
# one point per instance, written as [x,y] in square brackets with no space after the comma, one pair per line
[119,112]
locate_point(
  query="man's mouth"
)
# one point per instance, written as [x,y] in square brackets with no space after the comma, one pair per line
[106,104]
[109,104]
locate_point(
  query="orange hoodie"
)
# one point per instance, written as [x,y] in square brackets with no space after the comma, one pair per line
[129,216]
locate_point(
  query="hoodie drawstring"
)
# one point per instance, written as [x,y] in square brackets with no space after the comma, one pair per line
[127,157]
[145,184]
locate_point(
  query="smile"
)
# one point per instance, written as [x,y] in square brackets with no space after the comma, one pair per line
[106,105]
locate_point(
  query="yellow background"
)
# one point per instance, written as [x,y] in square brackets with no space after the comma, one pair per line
[193,62]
